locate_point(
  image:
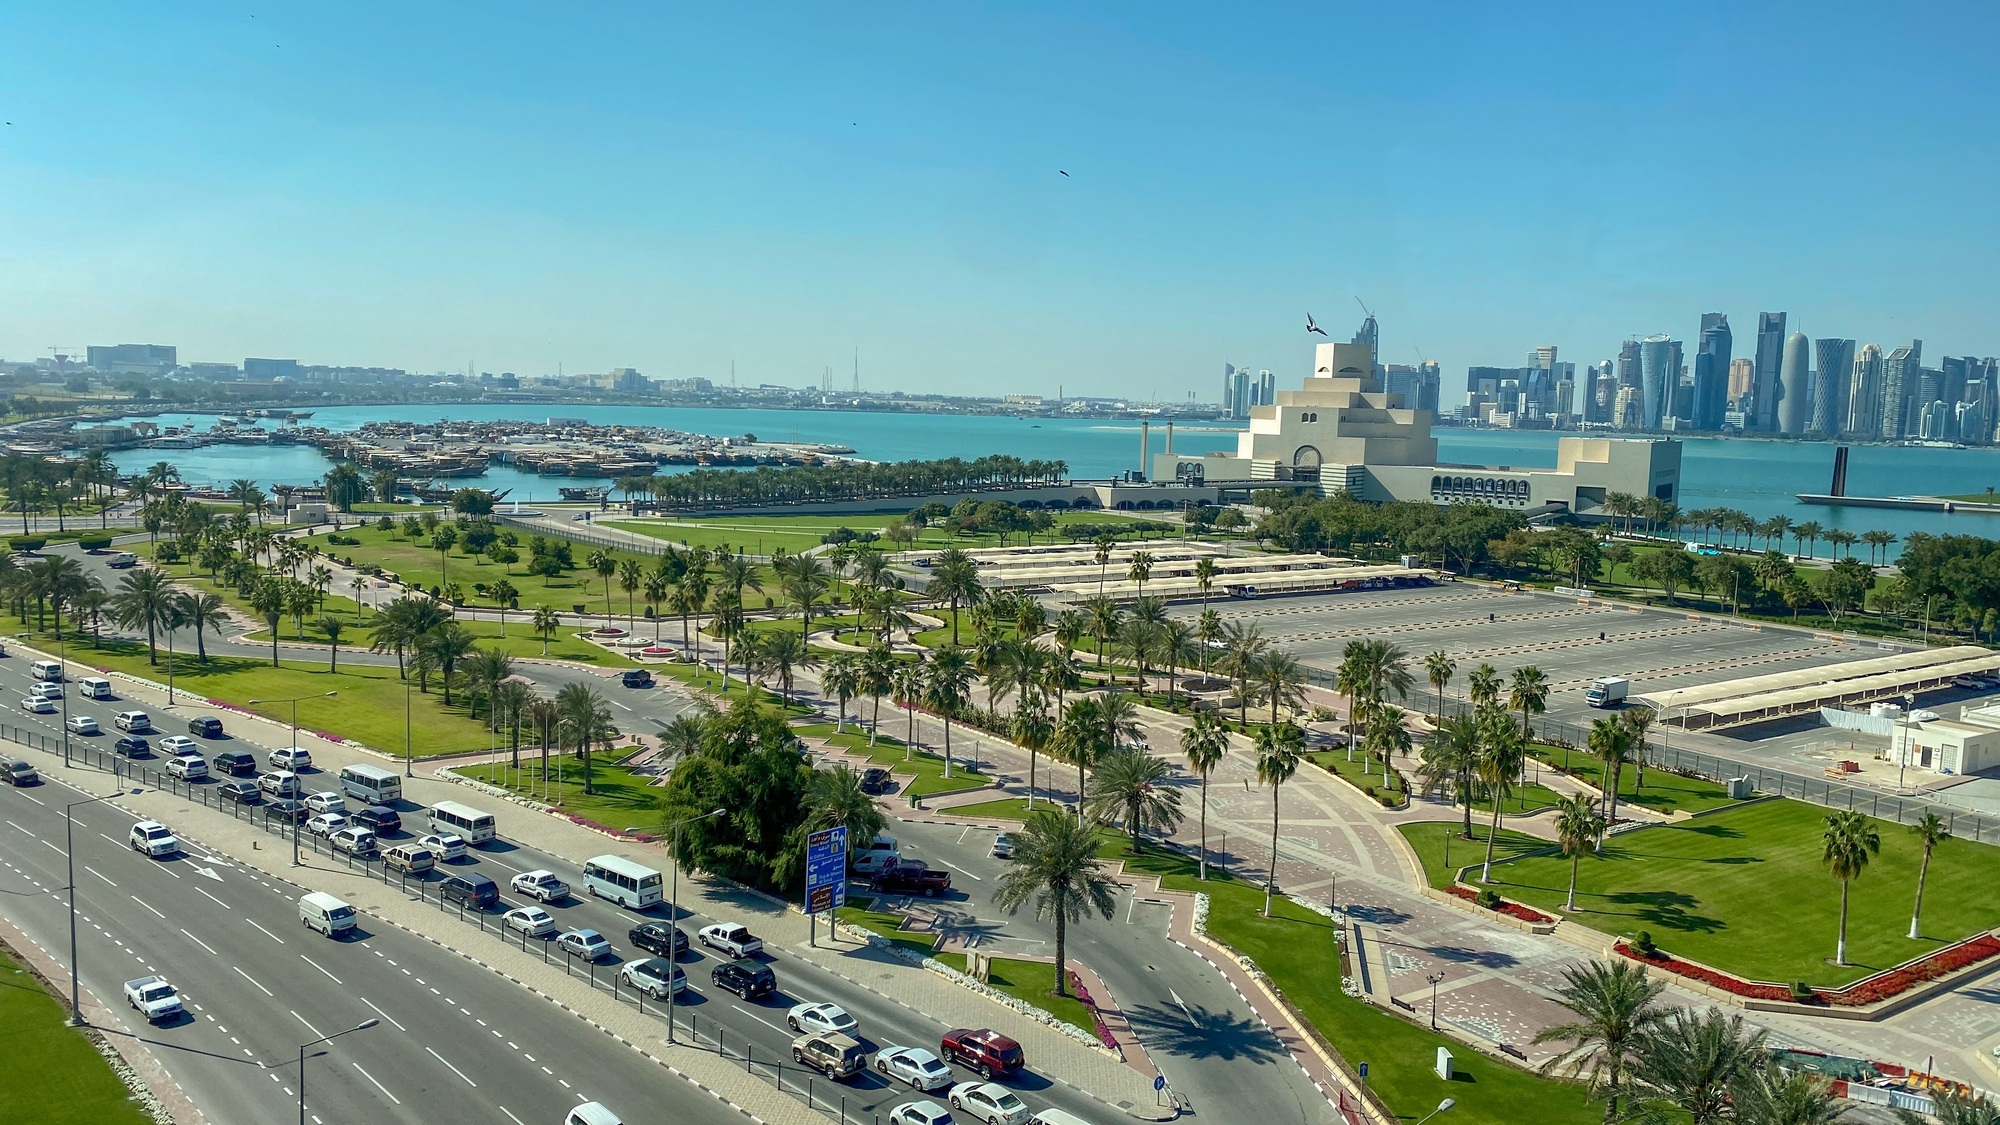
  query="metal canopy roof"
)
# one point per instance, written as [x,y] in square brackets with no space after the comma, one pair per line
[1701,694]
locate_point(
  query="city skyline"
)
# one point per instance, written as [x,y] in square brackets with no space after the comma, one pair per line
[419,190]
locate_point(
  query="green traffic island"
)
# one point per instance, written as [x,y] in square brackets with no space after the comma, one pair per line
[1295,949]
[1884,992]
[1391,793]
[603,794]
[1658,790]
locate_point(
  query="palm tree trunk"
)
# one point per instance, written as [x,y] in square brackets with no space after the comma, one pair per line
[1570,902]
[1062,954]
[1272,880]
[1611,798]
[947,746]
[1840,947]
[1917,915]
[1203,860]
[875,721]
[1492,834]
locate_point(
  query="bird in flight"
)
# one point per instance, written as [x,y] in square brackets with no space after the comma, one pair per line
[1311,327]
[1064,173]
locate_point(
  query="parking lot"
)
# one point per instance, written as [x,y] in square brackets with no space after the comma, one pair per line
[1477,623]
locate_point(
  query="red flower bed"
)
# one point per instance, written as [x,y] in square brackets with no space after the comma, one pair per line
[1870,991]
[1511,909]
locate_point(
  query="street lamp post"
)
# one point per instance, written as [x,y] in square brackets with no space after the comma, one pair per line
[1443,1106]
[69,853]
[1433,979]
[674,909]
[294,701]
[362,1026]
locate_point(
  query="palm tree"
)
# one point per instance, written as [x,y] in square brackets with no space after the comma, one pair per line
[781,653]
[1954,1108]
[1771,1095]
[1101,550]
[510,702]
[1929,831]
[804,580]
[955,581]
[1615,1008]
[1502,755]
[1204,741]
[1132,786]
[484,668]
[1847,844]
[1204,578]
[1690,1062]
[1483,685]
[1438,667]
[1385,736]
[1281,680]
[1611,741]
[1529,694]
[876,677]
[1080,740]
[841,678]
[1106,621]
[585,721]
[835,799]
[1578,825]
[725,620]
[1451,758]
[1878,542]
[1638,720]
[1280,746]
[332,627]
[203,611]
[947,686]
[546,622]
[1176,647]
[1055,866]
[145,599]
[907,688]
[631,576]
[1138,570]
[446,645]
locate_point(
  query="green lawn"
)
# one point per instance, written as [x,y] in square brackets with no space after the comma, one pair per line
[1663,792]
[1295,948]
[760,534]
[859,912]
[1006,808]
[368,709]
[624,798]
[416,563]
[1034,982]
[1335,762]
[1744,890]
[1428,840]
[60,1079]
[889,752]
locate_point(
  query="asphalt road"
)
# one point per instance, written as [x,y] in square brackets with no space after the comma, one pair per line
[455,1041]
[1202,1036]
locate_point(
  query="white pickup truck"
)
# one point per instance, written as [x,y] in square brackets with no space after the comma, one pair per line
[154,998]
[731,938]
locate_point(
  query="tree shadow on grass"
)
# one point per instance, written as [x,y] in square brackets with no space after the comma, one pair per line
[1669,910]
[1719,831]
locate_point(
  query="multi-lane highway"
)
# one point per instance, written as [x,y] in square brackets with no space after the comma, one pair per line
[454,1041]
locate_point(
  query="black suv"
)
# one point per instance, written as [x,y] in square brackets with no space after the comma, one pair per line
[476,891]
[234,763]
[654,938]
[381,818]
[132,746]
[205,726]
[240,791]
[874,780]
[748,979]
[287,809]
[637,677]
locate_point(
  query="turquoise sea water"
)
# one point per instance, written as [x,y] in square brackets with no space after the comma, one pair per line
[1759,477]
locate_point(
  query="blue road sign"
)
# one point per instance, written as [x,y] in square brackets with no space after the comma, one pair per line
[826,869]
[1364,1070]
[1159,1082]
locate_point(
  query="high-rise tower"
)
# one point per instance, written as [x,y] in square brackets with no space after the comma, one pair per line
[1711,372]
[1835,361]
[1794,404]
[1864,393]
[1763,413]
[1659,375]
[1899,385]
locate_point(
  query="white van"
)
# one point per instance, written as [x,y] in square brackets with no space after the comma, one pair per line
[1057,1117]
[592,1113]
[132,722]
[325,913]
[95,687]
[872,856]
[49,670]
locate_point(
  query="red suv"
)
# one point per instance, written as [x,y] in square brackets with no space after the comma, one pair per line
[911,877]
[985,1052]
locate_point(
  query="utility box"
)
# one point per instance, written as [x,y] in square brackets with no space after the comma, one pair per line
[1444,1060]
[1739,789]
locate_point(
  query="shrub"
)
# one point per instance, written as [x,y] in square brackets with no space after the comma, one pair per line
[1643,942]
[1802,993]
[1489,898]
[94,542]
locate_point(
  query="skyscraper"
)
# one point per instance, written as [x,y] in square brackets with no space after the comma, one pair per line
[1763,412]
[1659,375]
[1267,388]
[1229,390]
[1239,391]
[1864,394]
[1742,374]
[1628,363]
[1794,402]
[1711,372]
[1899,388]
[1835,360]
[1370,334]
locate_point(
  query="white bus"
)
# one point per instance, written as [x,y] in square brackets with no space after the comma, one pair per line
[473,826]
[371,785]
[621,881]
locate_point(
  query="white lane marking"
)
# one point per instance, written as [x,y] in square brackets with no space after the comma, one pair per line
[37,837]
[120,843]
[199,942]
[454,1070]
[59,851]
[383,1014]
[317,965]
[252,980]
[97,873]
[213,899]
[767,1023]
[961,870]
[25,796]
[309,1026]
[156,914]
[267,933]
[511,1117]
[379,1086]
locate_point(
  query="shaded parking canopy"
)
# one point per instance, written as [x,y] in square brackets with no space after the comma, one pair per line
[1775,695]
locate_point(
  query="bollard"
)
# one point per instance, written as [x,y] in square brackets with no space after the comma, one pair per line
[593,974]
[748,1050]
[809,1089]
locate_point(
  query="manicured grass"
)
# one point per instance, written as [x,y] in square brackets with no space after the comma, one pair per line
[1335,762]
[1427,838]
[623,797]
[1663,792]
[860,912]
[760,534]
[1006,808]
[59,1078]
[368,708]
[1034,982]
[889,752]
[1744,890]
[1295,948]
[416,563]
[1522,800]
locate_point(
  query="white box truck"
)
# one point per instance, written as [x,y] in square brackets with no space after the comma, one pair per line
[1607,691]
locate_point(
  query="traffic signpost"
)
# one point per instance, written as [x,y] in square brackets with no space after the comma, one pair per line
[826,875]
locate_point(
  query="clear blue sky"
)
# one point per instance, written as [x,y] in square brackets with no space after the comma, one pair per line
[671,187]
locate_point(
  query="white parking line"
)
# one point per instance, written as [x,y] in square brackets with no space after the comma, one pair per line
[25,796]
[961,870]
[32,834]
[379,1086]
[213,899]
[252,980]
[383,1014]
[455,1070]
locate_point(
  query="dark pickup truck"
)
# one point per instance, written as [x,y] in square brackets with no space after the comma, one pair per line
[911,877]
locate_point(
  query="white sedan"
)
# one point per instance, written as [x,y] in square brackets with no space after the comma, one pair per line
[821,1018]
[991,1103]
[587,944]
[921,1069]
[920,1113]
[532,921]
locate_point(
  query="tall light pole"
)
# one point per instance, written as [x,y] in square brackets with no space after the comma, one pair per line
[408,751]
[1443,1107]
[674,909]
[69,853]
[362,1026]
[294,701]
[1433,980]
